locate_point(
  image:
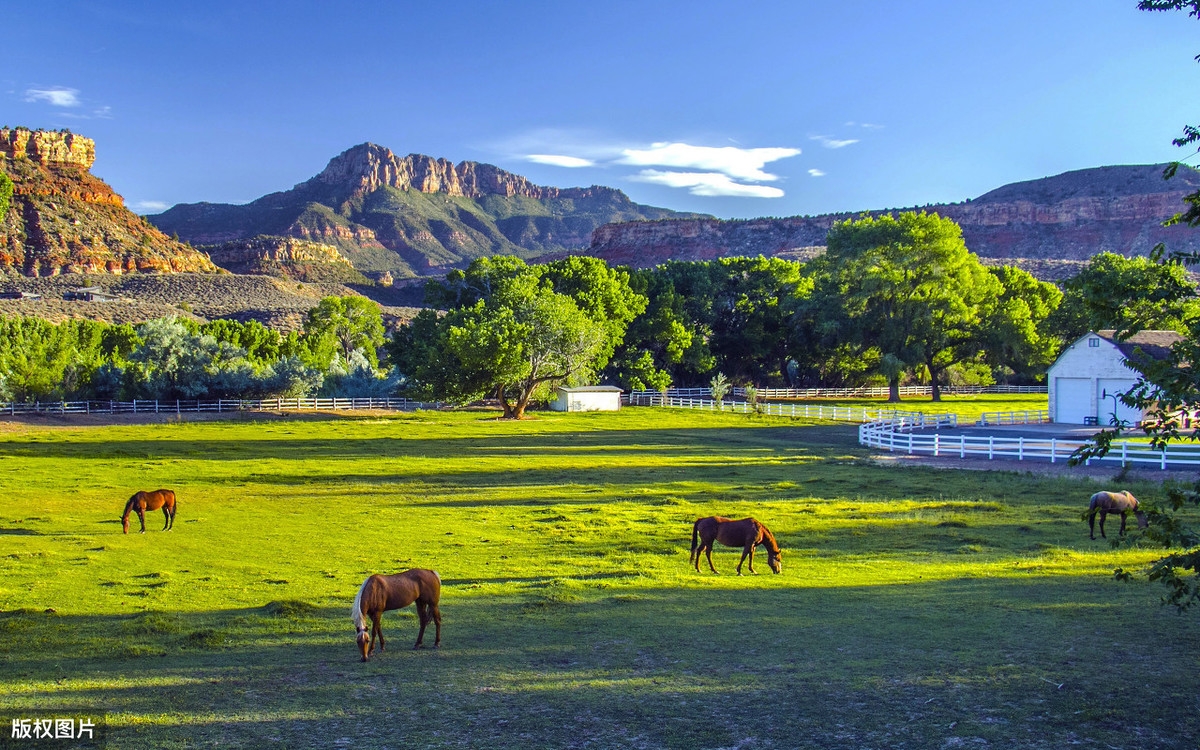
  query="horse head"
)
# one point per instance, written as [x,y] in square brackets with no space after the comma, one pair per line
[364,642]
[775,561]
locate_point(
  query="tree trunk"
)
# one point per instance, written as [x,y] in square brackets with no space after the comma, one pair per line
[508,410]
[933,379]
[894,390]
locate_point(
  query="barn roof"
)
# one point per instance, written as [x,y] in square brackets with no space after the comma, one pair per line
[591,389]
[1153,344]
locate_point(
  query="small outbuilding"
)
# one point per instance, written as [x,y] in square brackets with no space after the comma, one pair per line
[587,398]
[1086,380]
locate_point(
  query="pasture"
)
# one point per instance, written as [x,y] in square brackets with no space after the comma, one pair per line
[917,607]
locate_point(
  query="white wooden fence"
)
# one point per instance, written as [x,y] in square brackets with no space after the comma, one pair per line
[891,436]
[220,405]
[872,392]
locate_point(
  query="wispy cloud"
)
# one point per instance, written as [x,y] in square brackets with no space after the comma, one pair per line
[828,142]
[558,160]
[56,96]
[149,207]
[816,173]
[701,170]
[708,184]
[69,101]
[737,163]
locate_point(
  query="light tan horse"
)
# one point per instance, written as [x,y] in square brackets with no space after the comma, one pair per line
[1113,502]
[746,533]
[380,593]
[143,501]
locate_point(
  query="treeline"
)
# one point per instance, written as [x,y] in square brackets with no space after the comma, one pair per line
[894,299]
[334,355]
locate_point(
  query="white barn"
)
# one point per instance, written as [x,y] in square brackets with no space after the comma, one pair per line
[1084,379]
[587,398]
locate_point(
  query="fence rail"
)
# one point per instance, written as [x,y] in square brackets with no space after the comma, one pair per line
[219,406]
[810,411]
[873,392]
[886,436]
[1039,416]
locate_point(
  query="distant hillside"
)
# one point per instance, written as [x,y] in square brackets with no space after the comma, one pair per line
[1045,225]
[415,215]
[63,219]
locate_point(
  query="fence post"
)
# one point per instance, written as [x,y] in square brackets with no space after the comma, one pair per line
[1021,448]
[1124,452]
[1052,444]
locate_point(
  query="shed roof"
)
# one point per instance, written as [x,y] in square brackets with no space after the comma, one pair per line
[1153,344]
[590,389]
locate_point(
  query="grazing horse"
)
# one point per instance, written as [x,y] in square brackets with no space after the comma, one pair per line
[143,501]
[1113,502]
[380,593]
[746,533]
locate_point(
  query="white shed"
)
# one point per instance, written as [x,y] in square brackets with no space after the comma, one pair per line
[1086,378]
[587,398]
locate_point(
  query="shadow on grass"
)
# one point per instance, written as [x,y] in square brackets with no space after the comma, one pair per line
[1010,664]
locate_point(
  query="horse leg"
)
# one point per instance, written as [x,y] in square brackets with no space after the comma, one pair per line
[142,517]
[423,616]
[708,554]
[376,629]
[166,518]
[1103,515]
[1092,525]
[437,624]
[1122,524]
[746,551]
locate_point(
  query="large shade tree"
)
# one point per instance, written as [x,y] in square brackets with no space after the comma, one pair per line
[907,287]
[510,332]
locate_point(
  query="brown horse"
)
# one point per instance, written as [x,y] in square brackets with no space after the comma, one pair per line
[143,501]
[380,593]
[1113,502]
[746,533]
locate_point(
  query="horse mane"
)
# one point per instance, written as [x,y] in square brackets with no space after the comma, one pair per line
[768,536]
[129,506]
[360,622]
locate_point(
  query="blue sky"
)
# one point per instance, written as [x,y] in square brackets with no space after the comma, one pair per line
[733,109]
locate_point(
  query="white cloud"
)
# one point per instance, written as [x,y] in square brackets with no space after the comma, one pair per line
[736,163]
[708,184]
[816,173]
[57,97]
[150,207]
[557,160]
[828,142]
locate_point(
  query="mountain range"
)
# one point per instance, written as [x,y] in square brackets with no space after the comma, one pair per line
[414,215]
[1066,218]
[373,212]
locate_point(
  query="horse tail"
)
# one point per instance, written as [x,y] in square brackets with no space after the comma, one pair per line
[356,613]
[695,540]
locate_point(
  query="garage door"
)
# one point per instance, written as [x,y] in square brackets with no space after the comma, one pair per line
[1106,404]
[1072,400]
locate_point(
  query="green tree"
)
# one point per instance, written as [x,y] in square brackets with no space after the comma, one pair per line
[344,325]
[1115,292]
[1019,338]
[907,286]
[509,332]
[6,191]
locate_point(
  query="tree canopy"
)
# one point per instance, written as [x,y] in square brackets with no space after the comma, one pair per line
[907,287]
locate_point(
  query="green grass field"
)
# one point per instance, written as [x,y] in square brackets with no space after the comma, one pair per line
[917,608]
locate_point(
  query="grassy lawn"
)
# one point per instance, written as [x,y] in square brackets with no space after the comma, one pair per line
[917,608]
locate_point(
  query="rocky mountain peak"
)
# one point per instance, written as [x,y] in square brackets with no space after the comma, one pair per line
[369,166]
[47,147]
